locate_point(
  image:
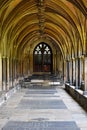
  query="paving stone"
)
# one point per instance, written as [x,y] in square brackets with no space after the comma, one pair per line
[61,125]
[41,104]
[41,92]
[44,95]
[38,86]
[47,112]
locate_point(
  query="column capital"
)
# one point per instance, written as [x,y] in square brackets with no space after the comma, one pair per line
[73,58]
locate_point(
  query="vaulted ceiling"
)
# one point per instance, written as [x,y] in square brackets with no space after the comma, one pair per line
[24,22]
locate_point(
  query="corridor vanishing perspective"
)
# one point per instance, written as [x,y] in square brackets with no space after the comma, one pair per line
[43,105]
[43,58]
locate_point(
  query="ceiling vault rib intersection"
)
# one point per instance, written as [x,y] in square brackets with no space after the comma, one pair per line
[41,16]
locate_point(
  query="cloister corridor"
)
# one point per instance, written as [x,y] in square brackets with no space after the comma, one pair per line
[43,64]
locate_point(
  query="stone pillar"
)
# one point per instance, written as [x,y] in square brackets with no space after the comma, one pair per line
[18,68]
[70,71]
[56,63]
[8,74]
[64,71]
[85,75]
[79,72]
[28,67]
[21,68]
[4,74]
[13,71]
[76,73]
[73,71]
[67,72]
[82,72]
[0,73]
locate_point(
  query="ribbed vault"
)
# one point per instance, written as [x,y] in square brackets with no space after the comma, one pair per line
[24,22]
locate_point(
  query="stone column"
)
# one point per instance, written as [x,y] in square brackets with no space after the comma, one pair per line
[18,68]
[85,75]
[73,71]
[14,69]
[64,71]
[76,73]
[56,63]
[70,71]
[79,72]
[8,74]
[4,74]
[0,73]
[15,72]
[27,66]
[21,68]
[67,72]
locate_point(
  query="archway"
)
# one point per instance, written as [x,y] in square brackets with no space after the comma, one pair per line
[42,58]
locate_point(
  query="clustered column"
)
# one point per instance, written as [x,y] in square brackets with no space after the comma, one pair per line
[4,73]
[0,73]
[76,72]
[67,71]
[11,71]
[85,74]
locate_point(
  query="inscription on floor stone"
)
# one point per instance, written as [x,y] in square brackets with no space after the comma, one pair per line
[61,125]
[41,104]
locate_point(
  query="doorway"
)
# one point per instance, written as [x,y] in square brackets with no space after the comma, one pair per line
[42,58]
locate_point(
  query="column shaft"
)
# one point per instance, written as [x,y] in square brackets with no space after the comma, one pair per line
[79,72]
[73,72]
[70,71]
[4,74]
[76,73]
[67,71]
[85,75]
[0,74]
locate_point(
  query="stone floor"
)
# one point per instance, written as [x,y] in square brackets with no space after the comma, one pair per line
[42,109]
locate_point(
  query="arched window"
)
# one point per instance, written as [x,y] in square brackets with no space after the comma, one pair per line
[42,58]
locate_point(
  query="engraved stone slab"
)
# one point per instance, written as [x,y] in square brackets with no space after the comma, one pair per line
[41,104]
[57,125]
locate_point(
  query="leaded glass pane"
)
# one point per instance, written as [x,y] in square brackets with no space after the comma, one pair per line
[42,58]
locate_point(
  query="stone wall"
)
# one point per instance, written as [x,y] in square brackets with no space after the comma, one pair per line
[77,95]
